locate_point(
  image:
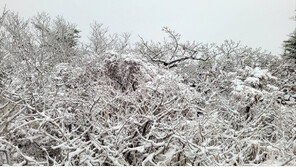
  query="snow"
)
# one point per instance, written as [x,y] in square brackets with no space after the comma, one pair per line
[259,73]
[252,80]
[272,87]
[238,84]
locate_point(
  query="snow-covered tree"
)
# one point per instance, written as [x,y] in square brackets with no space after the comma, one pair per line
[290,47]
[110,102]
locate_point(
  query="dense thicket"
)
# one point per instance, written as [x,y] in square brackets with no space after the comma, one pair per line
[110,102]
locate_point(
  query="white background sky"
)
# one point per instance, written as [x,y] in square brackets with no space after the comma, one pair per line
[256,23]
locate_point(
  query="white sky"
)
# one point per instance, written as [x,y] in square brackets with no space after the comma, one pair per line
[256,23]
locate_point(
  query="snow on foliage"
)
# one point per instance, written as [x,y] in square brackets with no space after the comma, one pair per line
[108,102]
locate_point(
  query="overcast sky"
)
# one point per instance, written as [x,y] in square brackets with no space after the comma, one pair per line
[256,23]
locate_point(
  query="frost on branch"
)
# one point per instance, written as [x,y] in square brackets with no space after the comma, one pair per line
[108,102]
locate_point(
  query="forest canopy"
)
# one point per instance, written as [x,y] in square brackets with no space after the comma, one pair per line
[112,102]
